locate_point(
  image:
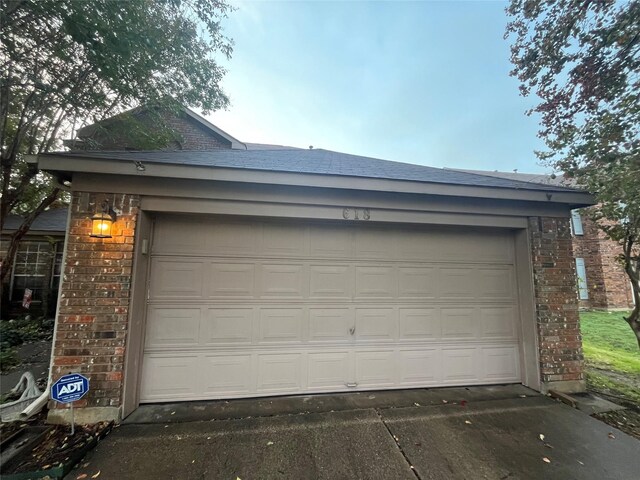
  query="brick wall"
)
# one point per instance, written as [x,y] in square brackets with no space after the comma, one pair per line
[607,283]
[560,343]
[94,304]
[193,135]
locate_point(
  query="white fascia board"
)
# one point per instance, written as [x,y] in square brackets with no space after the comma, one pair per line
[88,165]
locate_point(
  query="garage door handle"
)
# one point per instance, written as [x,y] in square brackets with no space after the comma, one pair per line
[351,385]
[352,330]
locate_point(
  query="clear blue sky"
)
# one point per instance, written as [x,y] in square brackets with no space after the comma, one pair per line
[420,82]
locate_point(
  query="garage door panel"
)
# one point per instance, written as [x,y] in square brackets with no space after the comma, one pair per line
[456,283]
[419,324]
[282,281]
[279,373]
[228,325]
[228,374]
[376,324]
[174,235]
[241,308]
[495,283]
[179,279]
[330,241]
[233,239]
[460,365]
[281,325]
[500,363]
[169,377]
[330,281]
[419,367]
[331,325]
[328,370]
[497,322]
[173,327]
[375,369]
[376,282]
[459,323]
[232,280]
[417,282]
[288,240]
[375,244]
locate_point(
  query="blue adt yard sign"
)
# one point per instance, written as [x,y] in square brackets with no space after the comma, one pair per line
[70,388]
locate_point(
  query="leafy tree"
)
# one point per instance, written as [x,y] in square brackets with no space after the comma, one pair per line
[68,62]
[582,59]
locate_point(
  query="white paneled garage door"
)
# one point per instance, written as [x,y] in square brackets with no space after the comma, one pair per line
[241,308]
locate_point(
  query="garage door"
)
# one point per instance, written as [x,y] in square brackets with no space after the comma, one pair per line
[256,308]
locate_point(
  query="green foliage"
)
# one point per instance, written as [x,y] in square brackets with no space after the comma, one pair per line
[582,60]
[602,383]
[611,354]
[16,332]
[66,63]
[8,359]
[605,330]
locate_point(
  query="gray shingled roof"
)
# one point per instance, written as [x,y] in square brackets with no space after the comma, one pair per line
[54,220]
[316,161]
[543,178]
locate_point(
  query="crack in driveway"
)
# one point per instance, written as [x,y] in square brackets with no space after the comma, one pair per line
[397,442]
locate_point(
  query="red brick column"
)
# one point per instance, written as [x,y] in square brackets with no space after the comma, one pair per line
[94,305]
[559,339]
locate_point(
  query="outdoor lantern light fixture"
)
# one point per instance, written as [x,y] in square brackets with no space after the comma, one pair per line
[102,221]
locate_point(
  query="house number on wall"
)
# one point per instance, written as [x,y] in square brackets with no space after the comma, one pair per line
[356,214]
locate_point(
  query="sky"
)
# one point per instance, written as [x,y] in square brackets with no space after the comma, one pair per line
[420,82]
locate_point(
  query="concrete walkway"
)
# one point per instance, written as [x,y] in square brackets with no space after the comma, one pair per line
[491,433]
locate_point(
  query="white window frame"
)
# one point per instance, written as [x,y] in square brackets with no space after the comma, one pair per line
[32,246]
[576,223]
[581,276]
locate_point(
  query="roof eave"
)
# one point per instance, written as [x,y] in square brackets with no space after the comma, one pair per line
[67,166]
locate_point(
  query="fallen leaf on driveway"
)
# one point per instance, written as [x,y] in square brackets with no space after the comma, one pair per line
[580,462]
[269,443]
[96,475]
[546,460]
[522,396]
[173,413]
[81,476]
[444,401]
[541,437]
[611,435]
[416,404]
[463,403]
[468,422]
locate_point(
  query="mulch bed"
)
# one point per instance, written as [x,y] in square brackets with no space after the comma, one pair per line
[626,420]
[59,448]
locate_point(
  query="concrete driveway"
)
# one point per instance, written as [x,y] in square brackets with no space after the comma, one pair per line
[455,433]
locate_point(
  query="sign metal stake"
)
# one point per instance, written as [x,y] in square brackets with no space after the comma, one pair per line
[73,421]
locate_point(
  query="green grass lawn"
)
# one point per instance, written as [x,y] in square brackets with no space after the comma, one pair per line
[612,354]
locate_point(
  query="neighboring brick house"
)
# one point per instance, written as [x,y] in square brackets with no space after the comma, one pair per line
[37,264]
[190,131]
[602,283]
[255,270]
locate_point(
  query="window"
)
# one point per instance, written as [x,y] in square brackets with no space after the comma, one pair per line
[576,223]
[31,269]
[57,266]
[583,291]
